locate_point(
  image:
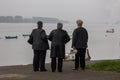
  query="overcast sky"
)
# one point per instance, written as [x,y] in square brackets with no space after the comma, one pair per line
[88,10]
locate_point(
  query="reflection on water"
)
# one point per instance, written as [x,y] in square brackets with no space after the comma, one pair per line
[102,45]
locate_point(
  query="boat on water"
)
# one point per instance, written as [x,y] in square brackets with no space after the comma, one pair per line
[11,37]
[110,31]
[26,35]
[71,55]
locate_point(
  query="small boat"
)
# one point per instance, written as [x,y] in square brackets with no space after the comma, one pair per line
[71,55]
[25,35]
[110,31]
[11,37]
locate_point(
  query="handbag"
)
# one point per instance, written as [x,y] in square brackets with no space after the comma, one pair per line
[87,55]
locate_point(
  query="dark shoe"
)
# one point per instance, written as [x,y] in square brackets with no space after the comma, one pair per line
[74,68]
[82,68]
[36,70]
[53,70]
[43,70]
[59,70]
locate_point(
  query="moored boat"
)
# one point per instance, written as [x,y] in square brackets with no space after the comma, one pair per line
[11,37]
[110,31]
[26,35]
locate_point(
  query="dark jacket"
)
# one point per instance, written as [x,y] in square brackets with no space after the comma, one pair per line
[40,41]
[58,40]
[80,38]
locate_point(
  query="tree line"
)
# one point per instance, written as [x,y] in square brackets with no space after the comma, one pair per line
[20,19]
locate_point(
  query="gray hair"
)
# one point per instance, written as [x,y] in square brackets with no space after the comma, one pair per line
[79,22]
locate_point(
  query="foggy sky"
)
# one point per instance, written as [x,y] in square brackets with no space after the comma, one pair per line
[88,10]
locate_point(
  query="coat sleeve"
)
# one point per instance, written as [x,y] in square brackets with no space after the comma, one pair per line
[87,35]
[43,35]
[67,38]
[74,39]
[30,40]
[50,36]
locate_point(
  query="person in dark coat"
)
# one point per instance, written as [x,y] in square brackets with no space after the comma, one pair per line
[39,43]
[58,38]
[79,43]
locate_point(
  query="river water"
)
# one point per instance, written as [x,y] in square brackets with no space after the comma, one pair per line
[102,45]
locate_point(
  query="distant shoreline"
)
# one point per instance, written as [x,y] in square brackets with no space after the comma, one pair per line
[20,19]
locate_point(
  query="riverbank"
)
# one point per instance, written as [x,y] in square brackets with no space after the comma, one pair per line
[105,65]
[25,73]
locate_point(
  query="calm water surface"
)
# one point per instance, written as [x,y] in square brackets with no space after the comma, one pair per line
[101,45]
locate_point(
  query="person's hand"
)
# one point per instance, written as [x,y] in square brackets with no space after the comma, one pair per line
[74,48]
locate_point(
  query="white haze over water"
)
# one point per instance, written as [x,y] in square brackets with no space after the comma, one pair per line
[92,11]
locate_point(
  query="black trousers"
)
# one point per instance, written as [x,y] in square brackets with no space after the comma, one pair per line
[39,60]
[53,64]
[80,58]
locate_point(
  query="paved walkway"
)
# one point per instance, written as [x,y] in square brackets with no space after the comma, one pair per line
[26,73]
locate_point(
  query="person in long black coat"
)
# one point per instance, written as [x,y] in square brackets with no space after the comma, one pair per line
[39,42]
[79,43]
[58,38]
